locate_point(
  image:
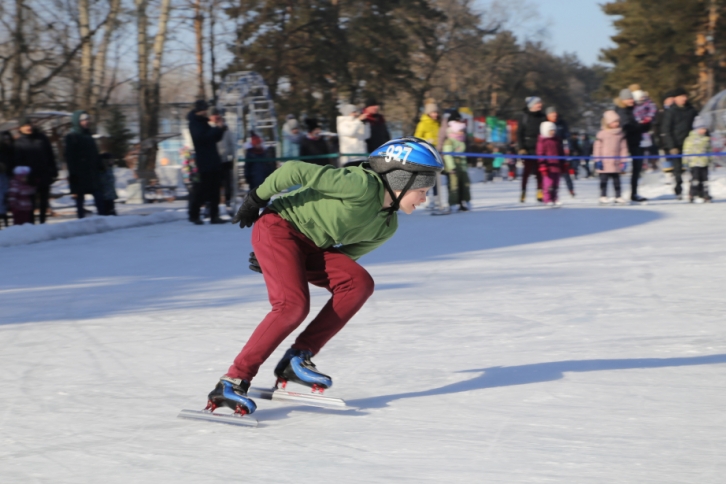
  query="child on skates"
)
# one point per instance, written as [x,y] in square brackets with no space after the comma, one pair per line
[549,144]
[315,235]
[610,142]
[20,196]
[698,142]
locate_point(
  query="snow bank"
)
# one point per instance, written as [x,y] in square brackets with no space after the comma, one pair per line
[29,234]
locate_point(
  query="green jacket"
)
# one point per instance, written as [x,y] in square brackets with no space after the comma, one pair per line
[453,162]
[694,145]
[335,207]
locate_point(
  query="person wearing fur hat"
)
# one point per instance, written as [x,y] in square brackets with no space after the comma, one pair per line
[550,144]
[527,135]
[20,196]
[633,130]
[698,142]
[610,142]
[379,128]
[84,162]
[313,144]
[352,135]
[429,125]
[677,125]
[456,166]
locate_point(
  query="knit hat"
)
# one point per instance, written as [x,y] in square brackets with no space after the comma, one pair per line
[610,116]
[347,109]
[638,95]
[21,170]
[430,107]
[625,94]
[291,124]
[200,105]
[679,91]
[26,121]
[371,102]
[397,179]
[546,128]
[699,123]
[311,123]
[531,101]
[551,110]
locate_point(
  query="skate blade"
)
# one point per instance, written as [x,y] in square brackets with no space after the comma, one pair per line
[231,419]
[312,400]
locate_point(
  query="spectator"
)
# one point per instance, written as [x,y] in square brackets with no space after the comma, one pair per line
[206,133]
[33,149]
[698,142]
[429,125]
[563,134]
[633,130]
[511,161]
[658,133]
[20,196]
[256,171]
[576,153]
[107,181]
[379,130]
[313,144]
[227,148]
[7,163]
[527,135]
[352,135]
[291,137]
[677,125]
[645,111]
[586,150]
[84,162]
[456,166]
[549,144]
[610,142]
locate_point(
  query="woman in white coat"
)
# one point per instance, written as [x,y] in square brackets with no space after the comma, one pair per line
[352,135]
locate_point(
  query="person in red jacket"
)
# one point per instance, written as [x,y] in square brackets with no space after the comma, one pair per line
[549,144]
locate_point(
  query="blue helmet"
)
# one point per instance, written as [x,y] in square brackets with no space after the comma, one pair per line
[408,154]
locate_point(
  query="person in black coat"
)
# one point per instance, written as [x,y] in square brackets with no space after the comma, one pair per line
[84,162]
[677,124]
[255,171]
[313,144]
[209,163]
[7,164]
[527,134]
[376,121]
[33,149]
[633,130]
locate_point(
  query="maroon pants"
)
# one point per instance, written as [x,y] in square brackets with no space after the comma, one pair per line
[289,261]
[531,168]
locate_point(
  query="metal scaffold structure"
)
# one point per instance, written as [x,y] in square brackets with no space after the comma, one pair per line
[246,94]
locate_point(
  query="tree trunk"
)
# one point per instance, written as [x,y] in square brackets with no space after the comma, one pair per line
[212,57]
[199,33]
[18,74]
[86,54]
[99,68]
[143,88]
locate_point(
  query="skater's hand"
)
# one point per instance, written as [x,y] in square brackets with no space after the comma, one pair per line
[249,212]
[254,264]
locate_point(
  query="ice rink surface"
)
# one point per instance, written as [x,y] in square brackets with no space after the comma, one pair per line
[512,344]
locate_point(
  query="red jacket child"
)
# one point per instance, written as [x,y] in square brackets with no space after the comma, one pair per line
[19,196]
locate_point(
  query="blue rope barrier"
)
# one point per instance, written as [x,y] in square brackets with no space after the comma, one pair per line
[538,157]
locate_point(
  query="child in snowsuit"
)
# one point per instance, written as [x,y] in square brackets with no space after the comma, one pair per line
[107,182]
[20,196]
[456,166]
[698,142]
[610,141]
[549,144]
[315,235]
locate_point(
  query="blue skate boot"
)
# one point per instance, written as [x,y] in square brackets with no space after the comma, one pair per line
[231,393]
[296,366]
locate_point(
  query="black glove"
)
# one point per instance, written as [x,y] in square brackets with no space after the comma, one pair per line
[249,212]
[254,264]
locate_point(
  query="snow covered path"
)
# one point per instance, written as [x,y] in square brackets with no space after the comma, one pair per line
[513,344]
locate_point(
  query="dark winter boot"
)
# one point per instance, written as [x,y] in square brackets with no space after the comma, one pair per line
[232,393]
[296,366]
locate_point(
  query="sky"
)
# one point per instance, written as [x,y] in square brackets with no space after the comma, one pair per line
[578,26]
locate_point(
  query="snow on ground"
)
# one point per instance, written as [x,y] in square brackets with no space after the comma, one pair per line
[512,344]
